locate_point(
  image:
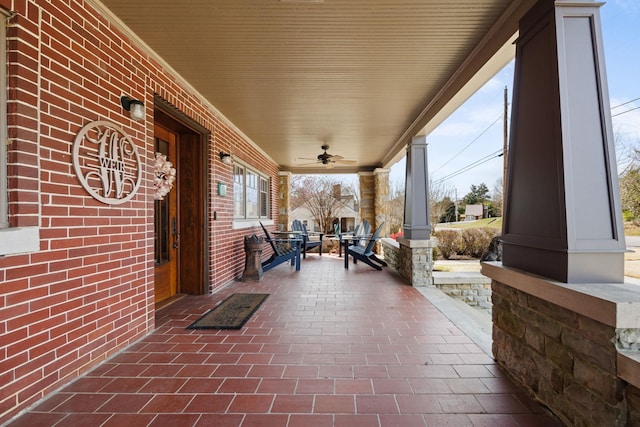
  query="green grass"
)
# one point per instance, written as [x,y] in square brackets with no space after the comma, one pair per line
[487,222]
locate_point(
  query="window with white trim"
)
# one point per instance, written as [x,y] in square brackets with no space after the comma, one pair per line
[250,193]
[17,239]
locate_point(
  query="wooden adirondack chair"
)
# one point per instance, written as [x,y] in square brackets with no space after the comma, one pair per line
[283,250]
[307,241]
[365,253]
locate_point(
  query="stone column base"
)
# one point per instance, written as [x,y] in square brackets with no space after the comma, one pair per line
[415,261]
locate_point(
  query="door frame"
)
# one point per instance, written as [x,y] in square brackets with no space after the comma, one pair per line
[169,116]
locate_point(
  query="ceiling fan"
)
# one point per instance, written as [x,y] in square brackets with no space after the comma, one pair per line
[329,160]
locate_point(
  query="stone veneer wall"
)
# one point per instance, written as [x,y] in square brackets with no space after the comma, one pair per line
[284,192]
[633,396]
[568,361]
[413,259]
[473,294]
[476,294]
[367,198]
[391,252]
[381,201]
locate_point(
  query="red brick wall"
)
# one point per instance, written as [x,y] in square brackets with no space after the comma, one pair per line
[88,292]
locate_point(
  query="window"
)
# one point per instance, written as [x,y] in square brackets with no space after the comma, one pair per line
[20,238]
[264,197]
[250,194]
[238,191]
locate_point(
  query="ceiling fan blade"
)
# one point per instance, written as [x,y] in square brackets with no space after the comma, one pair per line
[329,165]
[306,158]
[335,157]
[345,162]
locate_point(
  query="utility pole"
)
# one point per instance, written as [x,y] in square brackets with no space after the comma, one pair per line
[505,134]
[456,206]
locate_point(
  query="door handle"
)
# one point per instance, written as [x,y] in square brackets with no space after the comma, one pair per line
[174,232]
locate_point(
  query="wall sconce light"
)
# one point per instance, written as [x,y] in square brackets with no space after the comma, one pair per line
[225,157]
[134,107]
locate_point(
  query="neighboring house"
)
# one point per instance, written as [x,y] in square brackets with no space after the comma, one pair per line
[475,212]
[347,216]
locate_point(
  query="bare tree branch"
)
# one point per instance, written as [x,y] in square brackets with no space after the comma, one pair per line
[322,195]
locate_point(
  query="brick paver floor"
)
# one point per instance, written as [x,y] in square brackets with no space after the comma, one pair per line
[329,347]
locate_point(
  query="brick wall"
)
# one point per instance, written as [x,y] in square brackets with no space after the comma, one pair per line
[88,291]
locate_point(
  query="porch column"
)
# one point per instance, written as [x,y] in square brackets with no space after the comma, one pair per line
[416,247]
[381,202]
[367,197]
[284,197]
[565,326]
[562,206]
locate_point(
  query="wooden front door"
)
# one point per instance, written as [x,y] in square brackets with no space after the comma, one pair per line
[167,223]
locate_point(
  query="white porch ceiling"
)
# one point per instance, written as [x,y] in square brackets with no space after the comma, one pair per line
[362,76]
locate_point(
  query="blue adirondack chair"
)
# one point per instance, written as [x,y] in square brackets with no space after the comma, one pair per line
[283,250]
[362,230]
[365,253]
[309,240]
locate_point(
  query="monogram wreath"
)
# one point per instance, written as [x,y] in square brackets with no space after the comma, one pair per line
[165,175]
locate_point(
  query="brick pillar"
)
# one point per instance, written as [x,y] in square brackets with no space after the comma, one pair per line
[284,197]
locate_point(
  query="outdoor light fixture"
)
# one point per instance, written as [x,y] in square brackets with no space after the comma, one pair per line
[134,107]
[225,157]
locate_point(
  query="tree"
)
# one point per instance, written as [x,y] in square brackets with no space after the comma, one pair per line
[630,192]
[439,203]
[320,195]
[439,200]
[396,206]
[478,195]
[496,197]
[449,210]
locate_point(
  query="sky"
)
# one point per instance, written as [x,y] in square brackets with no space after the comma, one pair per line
[473,135]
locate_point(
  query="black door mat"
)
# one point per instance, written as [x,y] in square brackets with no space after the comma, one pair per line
[231,313]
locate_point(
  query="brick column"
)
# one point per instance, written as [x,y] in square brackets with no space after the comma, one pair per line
[284,196]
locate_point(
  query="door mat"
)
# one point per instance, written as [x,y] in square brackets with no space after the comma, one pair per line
[231,313]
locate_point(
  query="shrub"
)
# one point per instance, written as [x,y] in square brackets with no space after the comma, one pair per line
[471,242]
[476,241]
[448,242]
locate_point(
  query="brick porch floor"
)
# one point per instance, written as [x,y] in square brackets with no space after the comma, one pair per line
[328,347]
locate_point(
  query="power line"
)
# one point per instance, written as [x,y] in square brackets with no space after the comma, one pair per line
[470,166]
[468,145]
[624,112]
[625,103]
[500,153]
